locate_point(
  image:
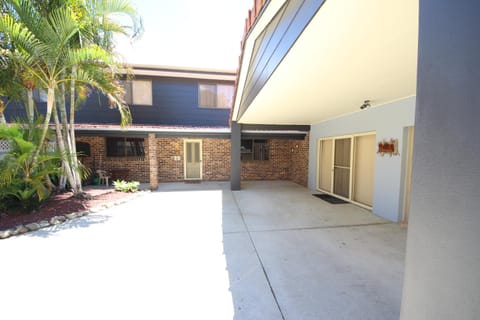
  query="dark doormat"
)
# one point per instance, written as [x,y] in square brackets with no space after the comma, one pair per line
[329,198]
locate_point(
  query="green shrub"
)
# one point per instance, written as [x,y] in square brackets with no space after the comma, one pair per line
[124,186]
[24,181]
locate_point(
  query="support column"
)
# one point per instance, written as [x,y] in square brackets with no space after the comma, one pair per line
[153,162]
[235,164]
[442,273]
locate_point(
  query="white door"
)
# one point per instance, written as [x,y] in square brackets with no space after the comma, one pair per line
[193,159]
[364,168]
[325,148]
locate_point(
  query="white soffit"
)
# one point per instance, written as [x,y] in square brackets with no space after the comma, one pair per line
[351,51]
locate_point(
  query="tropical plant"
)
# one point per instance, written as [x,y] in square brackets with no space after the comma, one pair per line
[57,46]
[25,184]
[124,186]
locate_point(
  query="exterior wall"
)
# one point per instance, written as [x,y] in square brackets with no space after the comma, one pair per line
[299,161]
[276,168]
[216,159]
[288,160]
[138,168]
[388,121]
[175,103]
[170,159]
[215,153]
[442,277]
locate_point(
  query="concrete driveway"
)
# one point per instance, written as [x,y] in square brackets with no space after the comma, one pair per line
[200,251]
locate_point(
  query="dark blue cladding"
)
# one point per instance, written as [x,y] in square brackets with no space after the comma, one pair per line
[175,103]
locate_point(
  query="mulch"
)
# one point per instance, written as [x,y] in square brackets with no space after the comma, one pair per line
[61,204]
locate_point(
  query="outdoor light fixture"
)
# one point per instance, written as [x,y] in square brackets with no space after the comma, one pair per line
[365,105]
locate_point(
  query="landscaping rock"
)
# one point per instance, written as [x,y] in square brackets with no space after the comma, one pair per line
[32,226]
[5,234]
[21,229]
[82,213]
[71,216]
[57,220]
[44,224]
[95,209]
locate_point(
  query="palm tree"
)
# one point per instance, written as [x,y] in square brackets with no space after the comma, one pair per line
[46,46]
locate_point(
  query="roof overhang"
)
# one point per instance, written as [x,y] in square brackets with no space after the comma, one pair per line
[348,52]
[259,132]
[180,72]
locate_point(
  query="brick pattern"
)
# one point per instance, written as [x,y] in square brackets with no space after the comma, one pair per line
[137,168]
[288,160]
[216,159]
[276,168]
[299,161]
[215,162]
[152,161]
[170,159]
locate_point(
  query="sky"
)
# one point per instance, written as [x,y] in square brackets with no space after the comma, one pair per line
[188,33]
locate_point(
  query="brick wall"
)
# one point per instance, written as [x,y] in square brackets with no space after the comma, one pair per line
[288,160]
[299,161]
[170,159]
[137,168]
[216,159]
[276,168]
[215,153]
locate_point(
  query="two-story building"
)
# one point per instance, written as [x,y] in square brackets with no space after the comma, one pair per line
[180,131]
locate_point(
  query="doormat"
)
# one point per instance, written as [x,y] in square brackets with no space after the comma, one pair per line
[329,198]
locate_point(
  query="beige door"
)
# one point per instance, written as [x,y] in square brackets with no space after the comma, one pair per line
[193,159]
[325,149]
[341,167]
[364,164]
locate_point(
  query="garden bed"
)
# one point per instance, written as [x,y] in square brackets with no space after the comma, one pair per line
[63,204]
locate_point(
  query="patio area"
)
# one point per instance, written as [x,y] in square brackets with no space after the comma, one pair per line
[198,251]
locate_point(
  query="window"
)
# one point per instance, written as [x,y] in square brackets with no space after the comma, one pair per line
[138,92]
[215,96]
[254,149]
[83,149]
[125,147]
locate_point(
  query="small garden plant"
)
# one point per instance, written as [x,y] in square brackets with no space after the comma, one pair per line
[124,186]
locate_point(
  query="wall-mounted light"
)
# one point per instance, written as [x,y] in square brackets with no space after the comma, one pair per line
[365,105]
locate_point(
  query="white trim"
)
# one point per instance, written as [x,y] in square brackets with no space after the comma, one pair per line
[150,129]
[185,141]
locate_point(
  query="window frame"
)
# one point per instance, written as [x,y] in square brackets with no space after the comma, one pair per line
[216,93]
[125,147]
[130,88]
[253,154]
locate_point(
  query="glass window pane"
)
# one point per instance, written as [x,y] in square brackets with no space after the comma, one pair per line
[127,86]
[207,95]
[142,92]
[225,96]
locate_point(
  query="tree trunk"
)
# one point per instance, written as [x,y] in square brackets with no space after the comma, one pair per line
[2,118]
[30,107]
[63,152]
[46,122]
[73,155]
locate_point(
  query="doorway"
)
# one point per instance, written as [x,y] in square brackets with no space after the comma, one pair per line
[346,167]
[193,159]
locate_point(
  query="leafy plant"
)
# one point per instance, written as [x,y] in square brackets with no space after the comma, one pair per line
[124,186]
[24,179]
